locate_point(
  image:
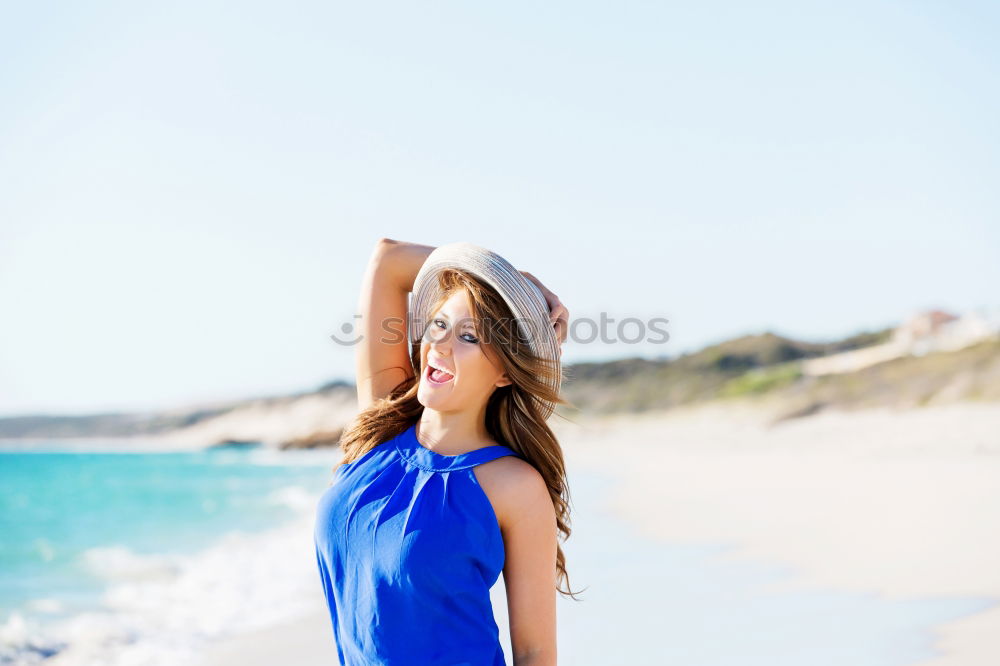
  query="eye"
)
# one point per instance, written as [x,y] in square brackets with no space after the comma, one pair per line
[474,339]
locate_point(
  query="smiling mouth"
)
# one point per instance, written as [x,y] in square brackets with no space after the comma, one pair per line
[438,377]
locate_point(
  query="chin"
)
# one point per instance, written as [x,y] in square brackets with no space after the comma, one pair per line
[426,397]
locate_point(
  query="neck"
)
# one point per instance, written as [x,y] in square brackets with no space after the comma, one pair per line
[452,433]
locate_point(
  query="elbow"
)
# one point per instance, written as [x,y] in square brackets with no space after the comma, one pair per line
[383,248]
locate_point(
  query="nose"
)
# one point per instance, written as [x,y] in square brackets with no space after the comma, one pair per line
[441,344]
[438,339]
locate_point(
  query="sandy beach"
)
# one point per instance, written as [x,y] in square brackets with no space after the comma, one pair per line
[903,505]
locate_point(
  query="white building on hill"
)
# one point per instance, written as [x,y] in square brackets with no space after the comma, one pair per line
[923,332]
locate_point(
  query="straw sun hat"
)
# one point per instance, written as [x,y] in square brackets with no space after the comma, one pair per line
[525,299]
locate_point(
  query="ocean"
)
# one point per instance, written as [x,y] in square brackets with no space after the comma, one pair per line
[144,557]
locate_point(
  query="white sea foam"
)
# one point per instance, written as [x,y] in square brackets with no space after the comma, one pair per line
[46,605]
[121,563]
[168,609]
[294,497]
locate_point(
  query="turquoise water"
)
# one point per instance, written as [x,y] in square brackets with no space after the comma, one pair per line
[70,521]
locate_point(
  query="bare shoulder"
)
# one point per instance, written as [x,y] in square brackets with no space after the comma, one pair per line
[513,486]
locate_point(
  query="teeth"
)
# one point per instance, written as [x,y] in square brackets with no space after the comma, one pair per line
[437,368]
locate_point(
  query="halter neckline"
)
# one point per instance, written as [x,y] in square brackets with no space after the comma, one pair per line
[418,454]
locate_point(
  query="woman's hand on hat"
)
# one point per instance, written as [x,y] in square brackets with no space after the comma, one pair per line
[558,314]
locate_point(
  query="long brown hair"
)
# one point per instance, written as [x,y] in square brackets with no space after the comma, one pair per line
[513,414]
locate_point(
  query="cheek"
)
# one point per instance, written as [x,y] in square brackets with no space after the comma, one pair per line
[473,366]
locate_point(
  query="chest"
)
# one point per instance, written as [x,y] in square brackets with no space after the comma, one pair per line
[396,522]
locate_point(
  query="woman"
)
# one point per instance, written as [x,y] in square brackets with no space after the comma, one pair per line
[450,473]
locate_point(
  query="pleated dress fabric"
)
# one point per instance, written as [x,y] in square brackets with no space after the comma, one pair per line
[408,546]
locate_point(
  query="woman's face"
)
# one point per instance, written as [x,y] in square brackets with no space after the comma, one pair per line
[451,343]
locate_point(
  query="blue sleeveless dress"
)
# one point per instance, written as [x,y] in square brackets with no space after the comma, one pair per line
[408,546]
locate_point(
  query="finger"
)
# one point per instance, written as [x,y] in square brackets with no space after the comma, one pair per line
[561,332]
[564,318]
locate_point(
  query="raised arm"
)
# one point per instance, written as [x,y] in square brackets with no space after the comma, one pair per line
[382,357]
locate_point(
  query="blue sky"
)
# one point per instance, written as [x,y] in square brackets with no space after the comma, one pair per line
[191,190]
